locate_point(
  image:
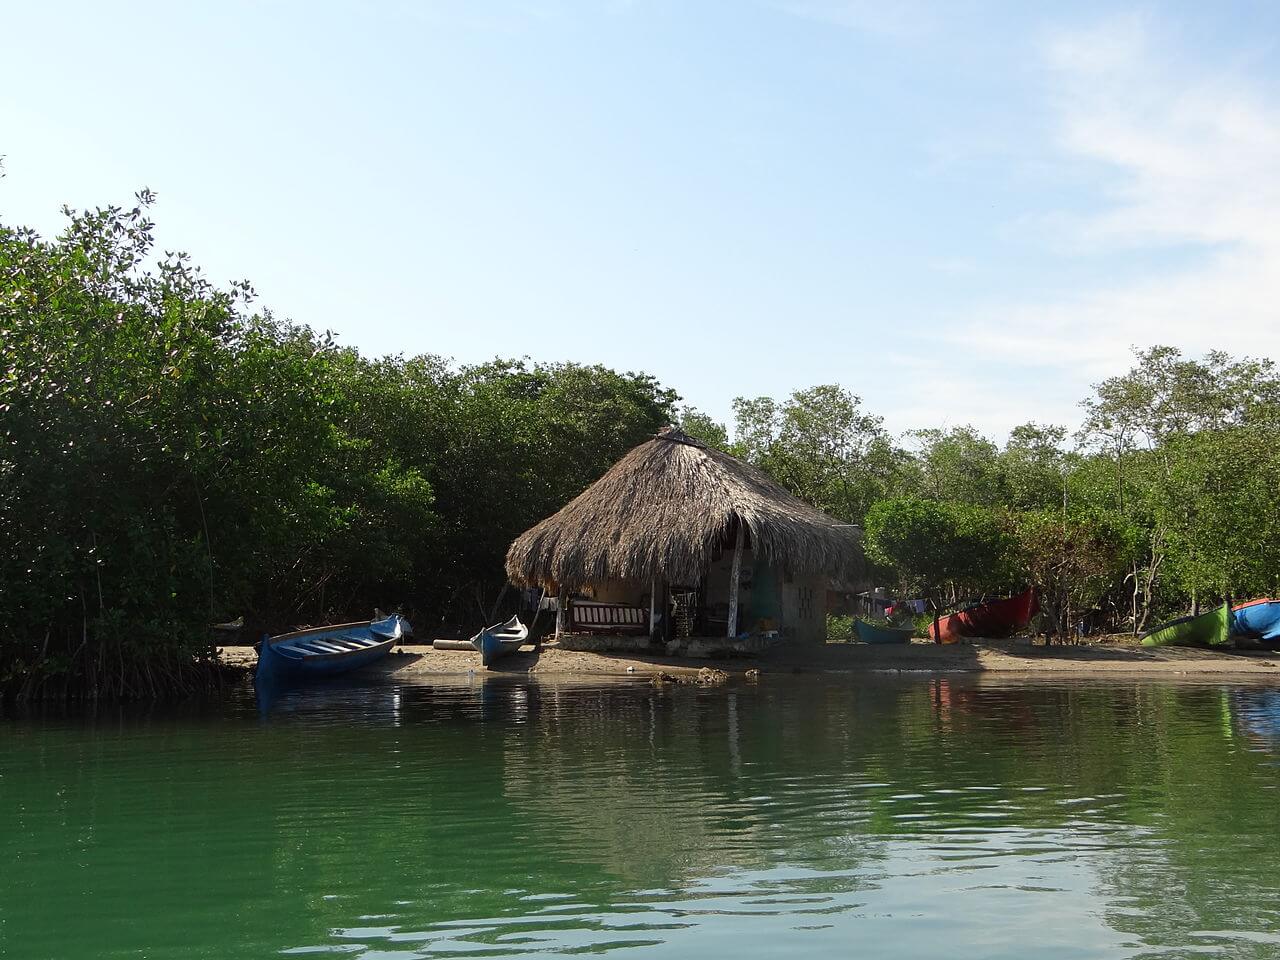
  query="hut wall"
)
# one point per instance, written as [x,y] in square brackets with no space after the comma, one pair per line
[630,592]
[716,598]
[804,609]
[767,598]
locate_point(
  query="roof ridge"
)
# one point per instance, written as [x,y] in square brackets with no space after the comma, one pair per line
[673,434]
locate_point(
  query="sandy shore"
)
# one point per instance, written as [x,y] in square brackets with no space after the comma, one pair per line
[1006,657]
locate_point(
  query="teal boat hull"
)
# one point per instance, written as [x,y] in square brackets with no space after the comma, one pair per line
[871,633]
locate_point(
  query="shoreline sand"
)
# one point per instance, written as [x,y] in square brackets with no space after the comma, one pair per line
[1014,658]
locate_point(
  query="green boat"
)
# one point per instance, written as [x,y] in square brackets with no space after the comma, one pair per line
[1206,630]
[873,633]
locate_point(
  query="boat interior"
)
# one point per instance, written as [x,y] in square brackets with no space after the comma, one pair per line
[323,645]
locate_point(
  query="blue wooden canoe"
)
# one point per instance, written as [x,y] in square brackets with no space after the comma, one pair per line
[328,651]
[500,639]
[872,633]
[1257,620]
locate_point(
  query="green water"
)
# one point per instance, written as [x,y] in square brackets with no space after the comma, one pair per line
[869,818]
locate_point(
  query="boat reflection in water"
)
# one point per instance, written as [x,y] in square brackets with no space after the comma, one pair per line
[372,698]
[1257,712]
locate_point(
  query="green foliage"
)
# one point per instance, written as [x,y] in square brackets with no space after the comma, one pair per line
[922,622]
[170,459]
[1035,468]
[958,465]
[1191,447]
[839,629]
[1167,502]
[1075,560]
[1165,394]
[938,548]
[820,444]
[700,426]
[1218,505]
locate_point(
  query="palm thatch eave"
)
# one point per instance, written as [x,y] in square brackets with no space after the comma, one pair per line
[664,509]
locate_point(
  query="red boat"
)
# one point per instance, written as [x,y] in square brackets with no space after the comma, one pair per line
[999,618]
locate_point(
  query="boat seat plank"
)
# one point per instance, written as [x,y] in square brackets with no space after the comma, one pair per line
[322,646]
[327,645]
[341,648]
[346,643]
[358,643]
[301,646]
[293,649]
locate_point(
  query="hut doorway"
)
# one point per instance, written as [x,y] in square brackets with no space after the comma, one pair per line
[661,601]
[684,613]
[766,596]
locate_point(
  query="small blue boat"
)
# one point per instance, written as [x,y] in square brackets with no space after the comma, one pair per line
[328,651]
[1256,620]
[874,633]
[500,639]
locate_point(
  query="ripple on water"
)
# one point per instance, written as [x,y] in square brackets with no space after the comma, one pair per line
[507,819]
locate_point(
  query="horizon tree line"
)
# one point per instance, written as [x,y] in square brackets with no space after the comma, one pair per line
[1161,502]
[173,456]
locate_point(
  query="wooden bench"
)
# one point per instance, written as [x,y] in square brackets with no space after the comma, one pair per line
[592,616]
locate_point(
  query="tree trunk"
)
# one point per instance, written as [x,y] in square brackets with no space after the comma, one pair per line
[1136,589]
[493,611]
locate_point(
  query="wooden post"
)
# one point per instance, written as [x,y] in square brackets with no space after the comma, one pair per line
[560,598]
[734,573]
[653,603]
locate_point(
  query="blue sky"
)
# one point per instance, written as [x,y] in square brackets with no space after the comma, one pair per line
[963,212]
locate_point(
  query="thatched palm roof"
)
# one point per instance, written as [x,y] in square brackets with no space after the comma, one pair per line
[664,508]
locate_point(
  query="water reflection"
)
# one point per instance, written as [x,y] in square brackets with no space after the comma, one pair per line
[498,817]
[1258,714]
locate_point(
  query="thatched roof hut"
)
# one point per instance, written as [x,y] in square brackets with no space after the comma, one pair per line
[666,509]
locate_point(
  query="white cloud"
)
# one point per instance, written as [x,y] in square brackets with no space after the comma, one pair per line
[1190,159]
[1199,154]
[941,388]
